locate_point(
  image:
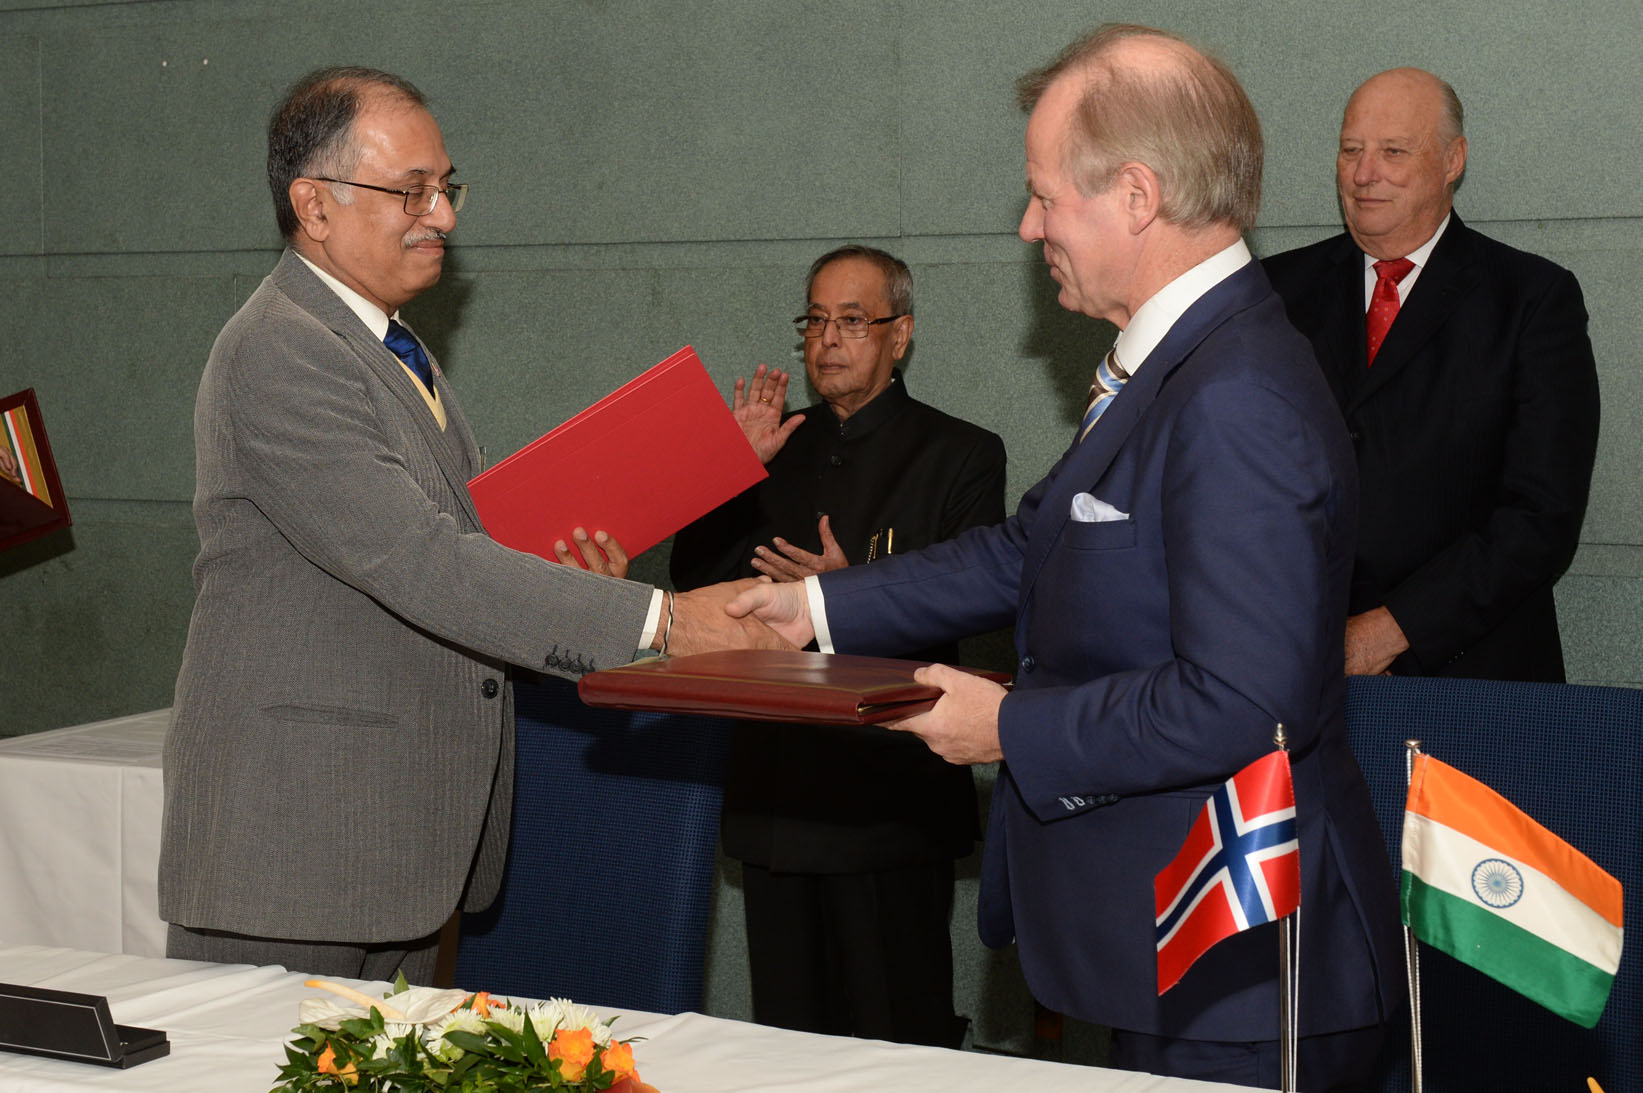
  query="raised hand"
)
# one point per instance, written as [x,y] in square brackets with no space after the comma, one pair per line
[757,408]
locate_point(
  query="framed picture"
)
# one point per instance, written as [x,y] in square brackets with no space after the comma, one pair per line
[32,502]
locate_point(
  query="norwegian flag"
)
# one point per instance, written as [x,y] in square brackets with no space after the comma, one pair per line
[1240,867]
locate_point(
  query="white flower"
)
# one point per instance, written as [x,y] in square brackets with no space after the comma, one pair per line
[557,1013]
[392,1033]
[462,1020]
[510,1018]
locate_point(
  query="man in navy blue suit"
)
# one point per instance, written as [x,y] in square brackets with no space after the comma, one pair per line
[1178,586]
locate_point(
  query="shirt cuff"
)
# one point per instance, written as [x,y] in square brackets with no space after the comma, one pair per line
[818,614]
[653,619]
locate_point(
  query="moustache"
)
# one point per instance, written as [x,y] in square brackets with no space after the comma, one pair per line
[427,235]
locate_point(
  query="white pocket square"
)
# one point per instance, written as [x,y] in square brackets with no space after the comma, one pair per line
[1092,510]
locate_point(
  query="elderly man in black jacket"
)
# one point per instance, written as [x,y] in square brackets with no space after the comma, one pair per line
[1466,377]
[848,835]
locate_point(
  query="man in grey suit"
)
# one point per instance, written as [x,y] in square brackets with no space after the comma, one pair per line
[339,771]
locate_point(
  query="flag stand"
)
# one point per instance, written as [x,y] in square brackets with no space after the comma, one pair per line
[1411,955]
[1289,979]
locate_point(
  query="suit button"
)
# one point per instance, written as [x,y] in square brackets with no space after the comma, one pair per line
[489,688]
[1028,663]
[835,460]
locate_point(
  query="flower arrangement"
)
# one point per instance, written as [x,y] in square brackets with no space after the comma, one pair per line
[426,1040]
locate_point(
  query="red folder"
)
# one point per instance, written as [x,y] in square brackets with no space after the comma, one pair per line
[641,463]
[34,504]
[769,685]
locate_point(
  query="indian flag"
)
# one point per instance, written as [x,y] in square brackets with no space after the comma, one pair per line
[1492,888]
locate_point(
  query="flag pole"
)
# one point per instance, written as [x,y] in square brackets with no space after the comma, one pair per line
[1411,953]
[1288,977]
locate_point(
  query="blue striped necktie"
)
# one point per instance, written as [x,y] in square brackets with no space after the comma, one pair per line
[409,350]
[1109,378]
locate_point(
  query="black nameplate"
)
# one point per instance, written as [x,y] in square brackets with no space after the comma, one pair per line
[75,1027]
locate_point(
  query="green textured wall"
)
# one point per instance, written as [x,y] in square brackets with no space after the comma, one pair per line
[650,174]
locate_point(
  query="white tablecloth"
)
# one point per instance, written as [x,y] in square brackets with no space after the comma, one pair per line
[80,836]
[226,1023]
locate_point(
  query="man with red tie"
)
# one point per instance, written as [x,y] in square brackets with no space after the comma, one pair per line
[1466,378]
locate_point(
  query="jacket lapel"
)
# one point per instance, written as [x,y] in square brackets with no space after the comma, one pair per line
[1444,282]
[1335,323]
[1087,460]
[298,282]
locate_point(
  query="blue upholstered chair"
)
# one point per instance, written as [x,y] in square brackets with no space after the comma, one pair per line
[1571,757]
[610,866]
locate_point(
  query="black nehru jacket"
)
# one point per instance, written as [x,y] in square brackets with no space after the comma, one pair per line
[847,799]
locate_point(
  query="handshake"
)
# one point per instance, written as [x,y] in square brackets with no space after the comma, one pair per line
[754,613]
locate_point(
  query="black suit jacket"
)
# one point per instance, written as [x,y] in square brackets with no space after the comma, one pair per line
[832,799]
[1475,434]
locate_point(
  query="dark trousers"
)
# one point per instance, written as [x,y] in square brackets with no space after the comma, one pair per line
[1341,1062]
[854,954]
[377,961]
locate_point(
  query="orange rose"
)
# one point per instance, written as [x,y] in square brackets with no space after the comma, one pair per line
[573,1047]
[328,1065]
[619,1060]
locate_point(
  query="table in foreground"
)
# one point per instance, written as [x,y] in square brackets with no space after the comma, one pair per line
[80,835]
[226,1023]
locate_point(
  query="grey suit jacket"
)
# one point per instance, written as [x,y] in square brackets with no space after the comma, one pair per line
[340,761]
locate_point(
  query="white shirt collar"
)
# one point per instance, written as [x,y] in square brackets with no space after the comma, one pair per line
[1153,319]
[1420,255]
[369,314]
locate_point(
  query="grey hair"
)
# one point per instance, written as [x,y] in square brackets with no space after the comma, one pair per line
[898,279]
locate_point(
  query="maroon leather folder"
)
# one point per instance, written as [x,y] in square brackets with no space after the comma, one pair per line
[769,685]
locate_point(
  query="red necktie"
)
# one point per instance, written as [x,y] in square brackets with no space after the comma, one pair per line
[1383,302]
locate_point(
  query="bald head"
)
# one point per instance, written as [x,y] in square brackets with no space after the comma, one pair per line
[1402,150]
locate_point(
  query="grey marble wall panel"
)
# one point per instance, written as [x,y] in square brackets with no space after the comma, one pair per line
[153,136]
[630,121]
[116,363]
[619,122]
[20,231]
[103,608]
[1607,279]
[21,361]
[1597,617]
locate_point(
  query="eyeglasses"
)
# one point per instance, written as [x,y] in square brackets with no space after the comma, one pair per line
[850,326]
[419,200]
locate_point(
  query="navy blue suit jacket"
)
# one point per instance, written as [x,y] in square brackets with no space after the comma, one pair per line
[1157,654]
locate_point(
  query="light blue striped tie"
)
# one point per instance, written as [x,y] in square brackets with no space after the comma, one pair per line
[1109,378]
